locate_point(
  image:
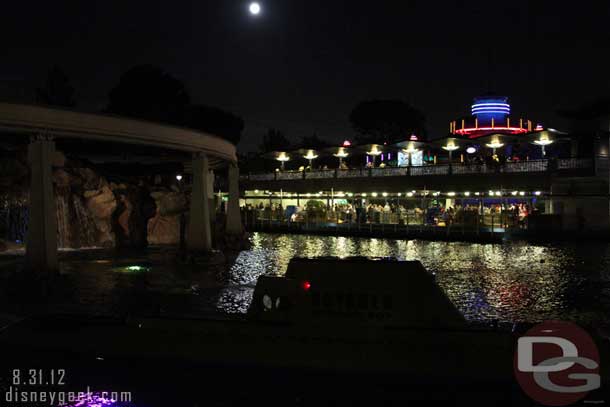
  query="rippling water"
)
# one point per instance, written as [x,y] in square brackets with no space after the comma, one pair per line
[508,282]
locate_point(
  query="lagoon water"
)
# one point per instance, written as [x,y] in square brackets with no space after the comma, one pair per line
[506,282]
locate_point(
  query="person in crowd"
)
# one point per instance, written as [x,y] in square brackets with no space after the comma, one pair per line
[386,213]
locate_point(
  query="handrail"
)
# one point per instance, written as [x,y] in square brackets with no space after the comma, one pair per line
[530,166]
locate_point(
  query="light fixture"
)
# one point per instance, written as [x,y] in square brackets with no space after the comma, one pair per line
[409,194]
[341,153]
[256,191]
[494,144]
[374,151]
[363,194]
[179,177]
[491,193]
[399,194]
[311,155]
[450,147]
[283,157]
[374,194]
[385,194]
[498,193]
[514,193]
[471,150]
[450,193]
[477,193]
[537,193]
[410,149]
[466,193]
[543,141]
[521,193]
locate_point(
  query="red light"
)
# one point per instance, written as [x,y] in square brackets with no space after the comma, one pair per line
[306,285]
[473,131]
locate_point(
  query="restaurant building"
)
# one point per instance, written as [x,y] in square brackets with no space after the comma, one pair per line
[492,168]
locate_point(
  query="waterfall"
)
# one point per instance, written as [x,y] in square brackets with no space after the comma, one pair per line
[84,225]
[75,226]
[14,216]
[62,197]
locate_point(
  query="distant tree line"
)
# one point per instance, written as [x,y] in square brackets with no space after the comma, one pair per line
[386,121]
[373,121]
[150,93]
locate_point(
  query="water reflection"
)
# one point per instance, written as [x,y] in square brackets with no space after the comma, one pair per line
[509,282]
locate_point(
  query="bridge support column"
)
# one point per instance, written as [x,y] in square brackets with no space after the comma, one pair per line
[199,233]
[233,225]
[41,243]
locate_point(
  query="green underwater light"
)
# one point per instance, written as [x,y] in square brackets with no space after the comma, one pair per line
[132,269]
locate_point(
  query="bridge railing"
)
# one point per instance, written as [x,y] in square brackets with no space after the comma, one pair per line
[531,166]
[574,163]
[525,166]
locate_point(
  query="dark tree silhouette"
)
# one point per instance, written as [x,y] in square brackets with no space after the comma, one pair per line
[215,121]
[148,92]
[274,140]
[57,90]
[314,142]
[386,121]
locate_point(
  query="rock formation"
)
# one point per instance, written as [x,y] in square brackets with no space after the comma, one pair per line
[91,211]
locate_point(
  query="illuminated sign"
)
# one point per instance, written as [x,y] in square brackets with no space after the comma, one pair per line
[490,106]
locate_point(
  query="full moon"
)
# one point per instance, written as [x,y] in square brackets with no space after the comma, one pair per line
[255,8]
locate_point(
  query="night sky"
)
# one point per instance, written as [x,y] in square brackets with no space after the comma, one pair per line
[301,66]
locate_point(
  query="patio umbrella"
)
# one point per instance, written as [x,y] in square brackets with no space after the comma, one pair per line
[281,156]
[411,147]
[340,152]
[372,150]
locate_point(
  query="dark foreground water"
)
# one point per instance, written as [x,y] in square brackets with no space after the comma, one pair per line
[509,282]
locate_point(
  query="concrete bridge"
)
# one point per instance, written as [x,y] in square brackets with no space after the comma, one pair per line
[43,126]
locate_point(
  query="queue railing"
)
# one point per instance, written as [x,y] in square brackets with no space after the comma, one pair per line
[467,222]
